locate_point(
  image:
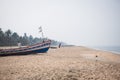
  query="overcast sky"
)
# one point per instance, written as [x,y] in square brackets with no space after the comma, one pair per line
[79,22]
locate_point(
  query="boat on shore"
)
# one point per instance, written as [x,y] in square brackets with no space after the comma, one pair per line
[33,49]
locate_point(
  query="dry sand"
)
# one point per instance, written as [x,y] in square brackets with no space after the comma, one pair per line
[67,63]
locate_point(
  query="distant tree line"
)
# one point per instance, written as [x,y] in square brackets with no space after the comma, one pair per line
[9,38]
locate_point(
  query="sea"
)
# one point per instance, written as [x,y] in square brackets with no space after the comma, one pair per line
[114,49]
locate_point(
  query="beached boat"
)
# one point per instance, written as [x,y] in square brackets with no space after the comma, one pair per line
[33,49]
[36,48]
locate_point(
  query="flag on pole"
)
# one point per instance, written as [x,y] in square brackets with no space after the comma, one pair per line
[40,29]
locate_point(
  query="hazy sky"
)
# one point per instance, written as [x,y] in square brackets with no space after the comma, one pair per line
[80,22]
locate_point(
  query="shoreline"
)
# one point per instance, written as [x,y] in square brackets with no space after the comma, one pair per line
[114,52]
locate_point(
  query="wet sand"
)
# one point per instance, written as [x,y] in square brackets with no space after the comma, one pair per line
[67,63]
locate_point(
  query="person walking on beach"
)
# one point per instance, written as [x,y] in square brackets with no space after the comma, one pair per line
[96,57]
[59,45]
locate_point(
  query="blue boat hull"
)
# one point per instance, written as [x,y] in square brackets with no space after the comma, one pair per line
[44,50]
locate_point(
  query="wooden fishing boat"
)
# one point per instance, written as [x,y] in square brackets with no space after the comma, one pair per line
[36,48]
[33,49]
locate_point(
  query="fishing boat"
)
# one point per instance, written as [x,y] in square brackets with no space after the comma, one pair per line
[36,48]
[33,49]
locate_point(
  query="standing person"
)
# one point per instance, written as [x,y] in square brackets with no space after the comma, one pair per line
[19,45]
[96,57]
[59,45]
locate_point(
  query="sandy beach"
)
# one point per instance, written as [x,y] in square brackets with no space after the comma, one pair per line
[66,63]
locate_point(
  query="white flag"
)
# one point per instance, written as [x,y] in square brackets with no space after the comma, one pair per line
[40,29]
